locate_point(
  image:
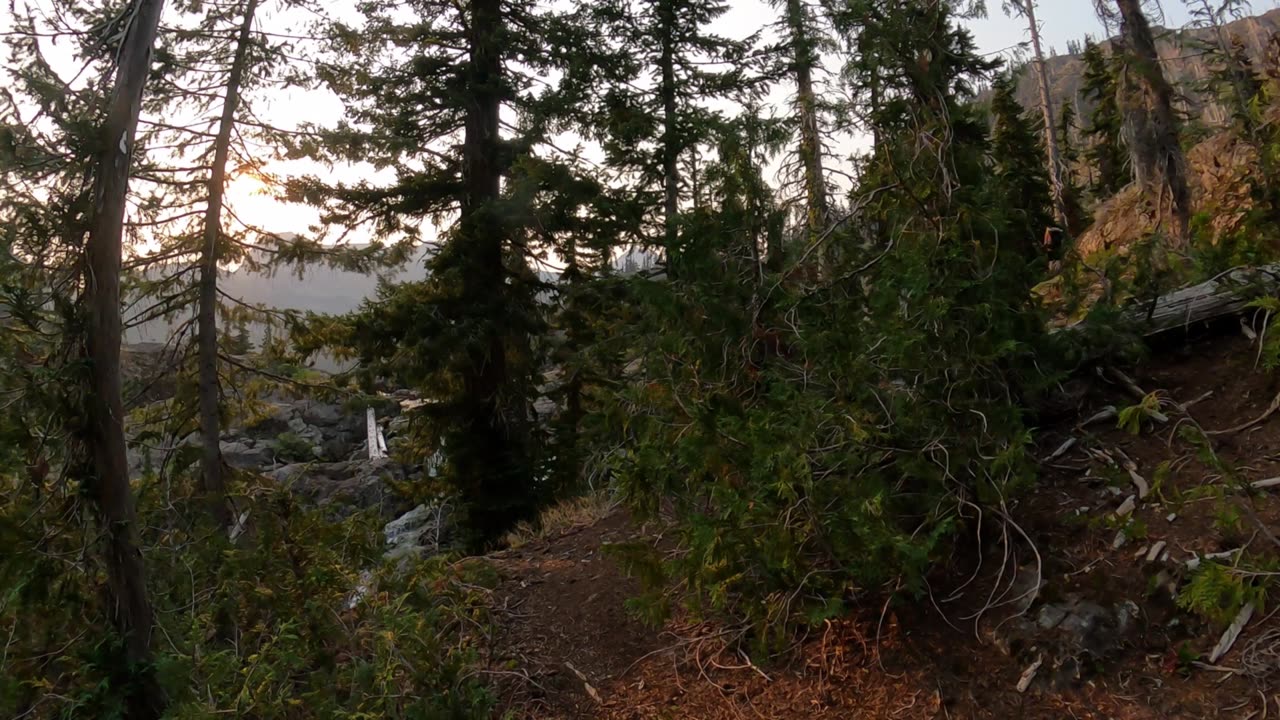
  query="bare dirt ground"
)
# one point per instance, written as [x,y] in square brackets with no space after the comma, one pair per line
[568,649]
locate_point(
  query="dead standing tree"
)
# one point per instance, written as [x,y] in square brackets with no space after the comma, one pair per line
[1151,127]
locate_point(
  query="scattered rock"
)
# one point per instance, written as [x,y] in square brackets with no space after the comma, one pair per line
[323,415]
[346,487]
[1051,616]
[1127,507]
[244,455]
[1154,554]
[274,420]
[1066,639]
[424,529]
[1229,637]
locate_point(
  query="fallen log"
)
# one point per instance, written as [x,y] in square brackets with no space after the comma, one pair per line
[1223,296]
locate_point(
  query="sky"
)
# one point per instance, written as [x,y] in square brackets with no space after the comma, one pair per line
[1061,21]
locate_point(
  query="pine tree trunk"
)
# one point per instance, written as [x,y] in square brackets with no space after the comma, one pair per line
[804,60]
[1053,156]
[104,412]
[670,133]
[489,457]
[1153,132]
[214,484]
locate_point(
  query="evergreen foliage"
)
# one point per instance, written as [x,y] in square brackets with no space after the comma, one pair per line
[1016,155]
[818,445]
[424,96]
[1105,153]
[823,390]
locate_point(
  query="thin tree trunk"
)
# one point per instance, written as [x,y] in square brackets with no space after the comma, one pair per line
[804,60]
[215,486]
[1154,135]
[1053,156]
[104,431]
[670,133]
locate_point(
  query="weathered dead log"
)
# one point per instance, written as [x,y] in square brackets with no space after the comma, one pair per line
[1226,295]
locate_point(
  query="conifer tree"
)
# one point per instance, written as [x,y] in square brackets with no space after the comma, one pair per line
[1104,152]
[805,39]
[425,99]
[102,435]
[1233,81]
[1015,151]
[1053,157]
[647,131]
[1067,132]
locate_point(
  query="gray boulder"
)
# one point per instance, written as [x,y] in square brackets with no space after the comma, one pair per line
[423,530]
[244,455]
[324,415]
[275,420]
[1066,640]
[345,488]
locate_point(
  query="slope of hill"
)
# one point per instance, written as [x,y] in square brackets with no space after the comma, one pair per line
[1183,61]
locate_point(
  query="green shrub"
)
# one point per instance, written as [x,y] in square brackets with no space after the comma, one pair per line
[290,447]
[263,628]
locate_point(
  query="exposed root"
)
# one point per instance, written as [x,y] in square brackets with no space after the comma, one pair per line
[1261,655]
[1271,410]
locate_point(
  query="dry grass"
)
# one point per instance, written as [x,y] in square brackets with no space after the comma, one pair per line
[563,516]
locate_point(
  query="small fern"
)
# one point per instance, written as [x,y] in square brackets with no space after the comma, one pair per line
[1131,418]
[1215,593]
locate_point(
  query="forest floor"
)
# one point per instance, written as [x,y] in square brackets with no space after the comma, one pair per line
[566,648]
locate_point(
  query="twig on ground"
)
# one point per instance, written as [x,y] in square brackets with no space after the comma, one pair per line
[1271,410]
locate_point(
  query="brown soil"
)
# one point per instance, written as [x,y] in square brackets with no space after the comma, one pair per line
[568,649]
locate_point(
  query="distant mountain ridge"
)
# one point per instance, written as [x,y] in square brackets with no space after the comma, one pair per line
[1181,60]
[326,290]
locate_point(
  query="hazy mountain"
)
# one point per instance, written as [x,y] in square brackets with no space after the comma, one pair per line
[325,290]
[1183,62]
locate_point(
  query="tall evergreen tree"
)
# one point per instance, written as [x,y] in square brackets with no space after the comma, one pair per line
[425,102]
[804,40]
[102,435]
[1053,156]
[1016,153]
[1104,153]
[1067,132]
[648,130]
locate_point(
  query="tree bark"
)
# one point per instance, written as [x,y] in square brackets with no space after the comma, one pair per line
[1056,186]
[804,59]
[104,412]
[1153,128]
[214,483]
[670,134]
[489,459]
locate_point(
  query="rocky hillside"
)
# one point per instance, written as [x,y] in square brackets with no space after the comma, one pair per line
[1184,64]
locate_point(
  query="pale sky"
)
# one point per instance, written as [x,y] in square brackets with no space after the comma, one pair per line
[1061,21]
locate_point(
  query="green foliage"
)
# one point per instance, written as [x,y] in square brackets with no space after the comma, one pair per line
[300,618]
[1105,149]
[818,444]
[643,562]
[1017,153]
[1130,419]
[1216,593]
[290,447]
[1269,355]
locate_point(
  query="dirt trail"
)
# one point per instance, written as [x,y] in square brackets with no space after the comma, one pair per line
[567,648]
